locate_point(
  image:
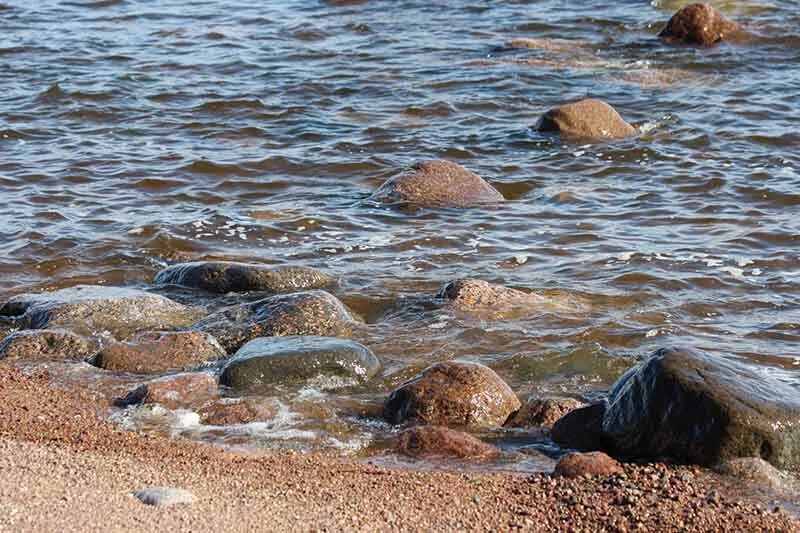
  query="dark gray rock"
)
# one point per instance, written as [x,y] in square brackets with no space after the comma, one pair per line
[266,362]
[47,344]
[582,428]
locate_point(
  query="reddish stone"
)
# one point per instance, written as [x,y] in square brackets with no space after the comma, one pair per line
[174,392]
[438,441]
[578,464]
[698,24]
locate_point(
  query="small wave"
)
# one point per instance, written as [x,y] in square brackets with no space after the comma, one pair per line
[227,106]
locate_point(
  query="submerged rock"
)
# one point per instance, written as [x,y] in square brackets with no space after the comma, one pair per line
[758,471]
[47,344]
[227,412]
[302,313]
[156,352]
[542,412]
[164,496]
[576,464]
[589,118]
[224,276]
[324,361]
[698,24]
[487,299]
[453,393]
[438,441]
[88,309]
[438,184]
[174,392]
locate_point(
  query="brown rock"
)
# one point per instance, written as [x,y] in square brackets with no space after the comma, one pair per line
[174,392]
[698,24]
[542,412]
[496,301]
[578,464]
[47,344]
[156,352]
[438,441]
[589,118]
[438,183]
[227,412]
[453,393]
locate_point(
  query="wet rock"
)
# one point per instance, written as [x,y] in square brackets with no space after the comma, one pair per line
[438,184]
[698,24]
[88,309]
[438,441]
[302,313]
[164,496]
[224,277]
[47,344]
[757,471]
[228,412]
[326,362]
[453,393]
[496,301]
[577,464]
[542,412]
[156,352]
[582,428]
[178,391]
[589,118]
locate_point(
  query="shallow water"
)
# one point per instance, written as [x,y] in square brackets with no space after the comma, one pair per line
[138,134]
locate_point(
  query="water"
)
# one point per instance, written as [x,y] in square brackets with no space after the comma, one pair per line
[137,134]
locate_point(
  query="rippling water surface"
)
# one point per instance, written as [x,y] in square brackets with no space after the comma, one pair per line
[137,134]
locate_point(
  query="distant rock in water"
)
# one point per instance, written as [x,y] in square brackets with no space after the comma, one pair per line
[453,393]
[438,184]
[301,313]
[47,344]
[698,24]
[538,412]
[225,276]
[156,352]
[590,118]
[89,309]
[439,441]
[178,391]
[323,361]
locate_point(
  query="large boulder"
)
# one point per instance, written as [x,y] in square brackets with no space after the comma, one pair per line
[589,118]
[89,309]
[438,184]
[47,344]
[156,352]
[453,393]
[301,313]
[536,412]
[438,441]
[698,24]
[224,276]
[325,361]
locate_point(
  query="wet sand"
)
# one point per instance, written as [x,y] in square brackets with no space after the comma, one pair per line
[63,468]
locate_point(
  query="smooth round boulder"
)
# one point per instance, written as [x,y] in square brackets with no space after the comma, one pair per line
[453,393]
[538,412]
[589,118]
[439,441]
[576,464]
[438,184]
[156,352]
[178,391]
[324,361]
[226,276]
[698,24]
[51,344]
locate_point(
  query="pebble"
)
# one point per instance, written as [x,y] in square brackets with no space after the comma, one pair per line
[164,496]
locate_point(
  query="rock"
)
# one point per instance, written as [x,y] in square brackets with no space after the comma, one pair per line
[228,412]
[224,277]
[453,393]
[698,24]
[582,428]
[178,391]
[156,352]
[301,313]
[488,300]
[589,118]
[438,441]
[324,361]
[578,464]
[88,309]
[164,496]
[438,184]
[757,471]
[47,344]
[542,412]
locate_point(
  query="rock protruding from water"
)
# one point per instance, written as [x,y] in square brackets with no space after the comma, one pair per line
[439,441]
[47,344]
[314,312]
[156,352]
[322,361]
[478,297]
[164,496]
[88,309]
[224,277]
[537,412]
[589,119]
[178,391]
[230,411]
[574,465]
[453,393]
[699,24]
[438,184]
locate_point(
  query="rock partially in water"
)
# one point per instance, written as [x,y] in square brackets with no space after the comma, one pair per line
[699,24]
[574,465]
[164,496]
[47,344]
[302,313]
[757,471]
[589,118]
[224,277]
[438,441]
[179,391]
[156,352]
[542,412]
[438,184]
[324,361]
[496,301]
[89,309]
[228,412]
[453,393]
[582,428]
